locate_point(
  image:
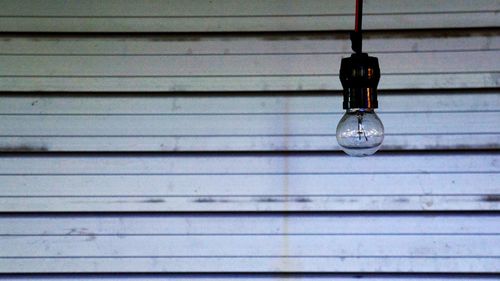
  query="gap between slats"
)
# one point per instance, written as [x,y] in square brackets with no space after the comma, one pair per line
[249,276]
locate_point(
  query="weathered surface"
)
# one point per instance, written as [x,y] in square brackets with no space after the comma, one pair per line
[200,183]
[250,243]
[240,15]
[244,122]
[243,63]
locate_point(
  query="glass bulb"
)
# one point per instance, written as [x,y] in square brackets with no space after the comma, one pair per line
[360,132]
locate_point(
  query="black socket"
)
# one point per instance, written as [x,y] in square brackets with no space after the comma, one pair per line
[360,75]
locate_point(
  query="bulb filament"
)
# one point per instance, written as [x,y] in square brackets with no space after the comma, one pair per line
[361,129]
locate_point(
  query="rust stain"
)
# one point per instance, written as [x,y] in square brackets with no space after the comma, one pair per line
[153,200]
[23,148]
[205,200]
[286,164]
[303,200]
[285,264]
[491,198]
[270,200]
[284,199]
[210,200]
[402,200]
[91,237]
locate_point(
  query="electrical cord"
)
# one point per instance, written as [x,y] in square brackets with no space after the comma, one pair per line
[356,36]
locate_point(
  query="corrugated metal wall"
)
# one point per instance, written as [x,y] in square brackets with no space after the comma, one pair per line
[195,140]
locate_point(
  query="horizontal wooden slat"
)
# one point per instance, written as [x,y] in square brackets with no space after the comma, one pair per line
[223,15]
[249,183]
[250,243]
[441,120]
[248,63]
[231,65]
[259,277]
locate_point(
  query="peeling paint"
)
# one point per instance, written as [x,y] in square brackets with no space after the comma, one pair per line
[303,200]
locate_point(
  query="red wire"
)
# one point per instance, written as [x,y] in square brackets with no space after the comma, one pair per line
[357,26]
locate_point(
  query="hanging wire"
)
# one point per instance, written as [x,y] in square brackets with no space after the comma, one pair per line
[359,18]
[356,36]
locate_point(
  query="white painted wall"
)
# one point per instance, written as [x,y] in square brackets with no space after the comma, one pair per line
[207,155]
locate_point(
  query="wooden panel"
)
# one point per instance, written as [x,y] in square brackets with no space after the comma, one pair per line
[250,243]
[242,63]
[251,277]
[240,15]
[318,182]
[217,122]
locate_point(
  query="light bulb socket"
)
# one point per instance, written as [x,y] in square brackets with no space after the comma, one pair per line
[359,75]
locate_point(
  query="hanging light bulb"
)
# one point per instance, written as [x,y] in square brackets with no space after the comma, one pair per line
[360,132]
